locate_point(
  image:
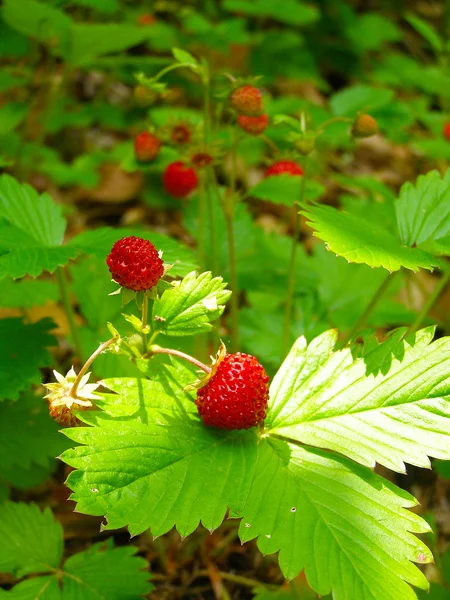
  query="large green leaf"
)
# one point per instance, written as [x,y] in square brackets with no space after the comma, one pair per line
[31,541]
[26,293]
[190,306]
[347,527]
[23,352]
[362,241]
[327,399]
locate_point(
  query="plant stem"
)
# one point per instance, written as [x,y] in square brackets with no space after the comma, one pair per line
[144,322]
[332,121]
[64,297]
[158,350]
[212,224]
[87,364]
[441,285]
[291,277]
[378,295]
[201,223]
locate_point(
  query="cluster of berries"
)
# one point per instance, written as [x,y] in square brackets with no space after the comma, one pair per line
[247,100]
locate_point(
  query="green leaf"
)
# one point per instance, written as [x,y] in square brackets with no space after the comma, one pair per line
[285,189]
[11,115]
[173,472]
[101,6]
[359,98]
[29,437]
[42,588]
[37,215]
[34,260]
[32,541]
[100,241]
[293,13]
[423,209]
[184,57]
[346,526]
[26,293]
[22,354]
[426,31]
[189,307]
[106,572]
[326,399]
[362,241]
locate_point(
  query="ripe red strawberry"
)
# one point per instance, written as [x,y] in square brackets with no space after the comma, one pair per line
[446,131]
[146,19]
[247,100]
[135,263]
[281,167]
[146,146]
[253,125]
[179,179]
[237,394]
[364,126]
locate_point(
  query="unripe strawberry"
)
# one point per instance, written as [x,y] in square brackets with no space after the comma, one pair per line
[179,179]
[64,416]
[247,100]
[180,134]
[62,399]
[201,159]
[236,395]
[135,264]
[144,96]
[446,131]
[364,126]
[281,167]
[146,147]
[253,125]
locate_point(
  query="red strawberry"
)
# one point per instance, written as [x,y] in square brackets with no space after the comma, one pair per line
[179,180]
[201,159]
[253,125]
[247,100]
[280,167]
[146,19]
[180,134]
[146,146]
[236,395]
[135,263]
[446,131]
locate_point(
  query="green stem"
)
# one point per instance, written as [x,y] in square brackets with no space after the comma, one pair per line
[378,295]
[170,68]
[64,297]
[234,301]
[201,222]
[332,121]
[291,276]
[212,224]
[441,285]
[207,125]
[144,322]
[158,350]
[87,364]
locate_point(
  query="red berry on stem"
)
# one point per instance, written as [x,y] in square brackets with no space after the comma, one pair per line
[253,125]
[146,19]
[146,146]
[236,396]
[446,131]
[247,100]
[281,167]
[180,134]
[179,179]
[135,264]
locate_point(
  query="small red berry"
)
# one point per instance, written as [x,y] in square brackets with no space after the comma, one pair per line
[237,394]
[179,180]
[282,167]
[247,100]
[146,19]
[146,146]
[446,131]
[180,134]
[64,416]
[135,263]
[253,125]
[201,159]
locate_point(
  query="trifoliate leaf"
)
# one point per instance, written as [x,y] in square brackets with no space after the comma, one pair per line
[28,435]
[32,541]
[347,527]
[173,474]
[22,353]
[362,241]
[100,242]
[423,209]
[26,293]
[191,305]
[326,399]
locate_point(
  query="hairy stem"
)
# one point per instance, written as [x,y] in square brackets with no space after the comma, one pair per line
[68,309]
[158,350]
[291,276]
[440,286]
[378,295]
[87,364]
